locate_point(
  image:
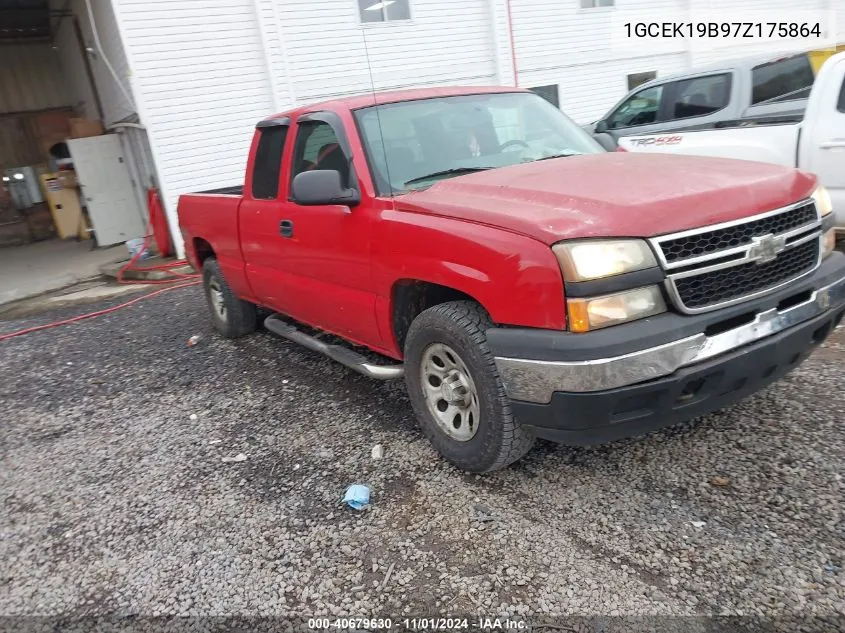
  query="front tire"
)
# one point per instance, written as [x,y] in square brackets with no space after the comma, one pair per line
[456,392]
[230,316]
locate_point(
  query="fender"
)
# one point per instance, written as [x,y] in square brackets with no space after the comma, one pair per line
[515,278]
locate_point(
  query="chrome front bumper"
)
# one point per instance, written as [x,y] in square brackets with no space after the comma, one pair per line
[537,380]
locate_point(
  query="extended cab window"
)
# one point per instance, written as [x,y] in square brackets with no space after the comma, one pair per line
[640,108]
[782,80]
[699,96]
[317,147]
[268,162]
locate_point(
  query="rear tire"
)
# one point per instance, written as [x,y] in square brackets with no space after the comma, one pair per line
[456,392]
[232,317]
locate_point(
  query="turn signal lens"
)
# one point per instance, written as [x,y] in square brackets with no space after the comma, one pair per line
[828,242]
[598,312]
[822,199]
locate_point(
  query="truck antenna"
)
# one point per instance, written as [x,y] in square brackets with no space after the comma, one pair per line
[377,109]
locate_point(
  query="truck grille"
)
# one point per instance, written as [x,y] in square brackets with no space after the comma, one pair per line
[720,239]
[725,264]
[737,281]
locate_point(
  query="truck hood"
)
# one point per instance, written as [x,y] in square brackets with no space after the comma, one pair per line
[613,194]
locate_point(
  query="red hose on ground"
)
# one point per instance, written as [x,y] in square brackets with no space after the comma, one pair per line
[163,242]
[90,315]
[157,229]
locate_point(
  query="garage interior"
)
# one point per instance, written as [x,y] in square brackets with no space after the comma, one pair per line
[74,183]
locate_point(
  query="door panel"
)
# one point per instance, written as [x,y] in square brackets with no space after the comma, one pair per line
[259,216]
[107,189]
[264,251]
[328,277]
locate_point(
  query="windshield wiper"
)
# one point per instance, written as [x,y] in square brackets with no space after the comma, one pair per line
[447,172]
[561,155]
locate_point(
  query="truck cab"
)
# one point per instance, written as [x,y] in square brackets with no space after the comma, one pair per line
[706,97]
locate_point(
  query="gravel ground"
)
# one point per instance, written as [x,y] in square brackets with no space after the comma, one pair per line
[117,499]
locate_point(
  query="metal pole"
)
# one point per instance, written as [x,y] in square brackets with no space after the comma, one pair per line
[88,71]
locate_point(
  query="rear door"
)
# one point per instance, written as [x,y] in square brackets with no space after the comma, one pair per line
[260,213]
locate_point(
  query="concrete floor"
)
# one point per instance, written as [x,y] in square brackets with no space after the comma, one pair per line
[32,269]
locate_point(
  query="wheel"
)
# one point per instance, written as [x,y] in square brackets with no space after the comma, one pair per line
[456,392]
[231,316]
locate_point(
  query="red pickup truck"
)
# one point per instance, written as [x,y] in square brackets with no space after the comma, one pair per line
[525,282]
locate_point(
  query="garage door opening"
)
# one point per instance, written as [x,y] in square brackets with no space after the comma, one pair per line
[75,163]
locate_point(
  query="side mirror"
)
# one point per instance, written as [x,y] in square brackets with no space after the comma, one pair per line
[601,127]
[322,186]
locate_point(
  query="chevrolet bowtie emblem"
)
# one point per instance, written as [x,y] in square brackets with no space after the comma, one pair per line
[765,248]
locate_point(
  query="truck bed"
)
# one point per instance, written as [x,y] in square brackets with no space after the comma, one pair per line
[234,190]
[212,217]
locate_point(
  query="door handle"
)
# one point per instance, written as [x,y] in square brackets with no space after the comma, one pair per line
[833,144]
[286,228]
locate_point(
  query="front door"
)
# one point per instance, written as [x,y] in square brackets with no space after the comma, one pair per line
[107,189]
[326,249]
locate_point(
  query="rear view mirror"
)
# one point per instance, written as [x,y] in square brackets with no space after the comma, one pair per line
[601,127]
[322,186]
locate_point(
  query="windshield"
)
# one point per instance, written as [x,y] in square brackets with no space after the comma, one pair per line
[430,139]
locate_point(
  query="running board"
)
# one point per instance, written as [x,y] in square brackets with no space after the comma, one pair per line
[338,353]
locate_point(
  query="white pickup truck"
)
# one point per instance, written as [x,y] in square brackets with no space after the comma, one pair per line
[814,143]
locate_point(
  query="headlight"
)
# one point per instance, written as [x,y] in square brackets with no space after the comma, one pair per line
[822,199]
[825,207]
[599,312]
[595,259]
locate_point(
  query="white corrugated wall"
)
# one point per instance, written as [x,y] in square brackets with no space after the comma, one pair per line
[329,54]
[560,43]
[204,71]
[200,78]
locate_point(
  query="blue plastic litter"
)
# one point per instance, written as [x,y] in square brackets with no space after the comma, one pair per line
[357,496]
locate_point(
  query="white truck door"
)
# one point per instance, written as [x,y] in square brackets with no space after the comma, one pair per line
[107,188]
[822,145]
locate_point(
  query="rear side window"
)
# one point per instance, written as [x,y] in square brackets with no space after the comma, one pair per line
[699,96]
[782,80]
[268,162]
